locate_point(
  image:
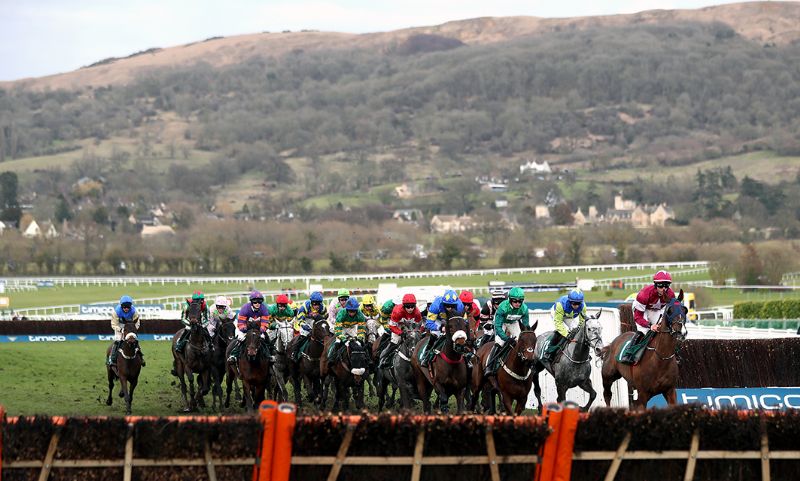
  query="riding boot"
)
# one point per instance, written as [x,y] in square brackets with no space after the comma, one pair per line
[426,359]
[629,355]
[333,353]
[233,357]
[490,362]
[300,347]
[386,355]
[112,358]
[552,348]
[181,343]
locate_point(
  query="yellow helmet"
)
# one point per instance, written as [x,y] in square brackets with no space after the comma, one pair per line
[368,299]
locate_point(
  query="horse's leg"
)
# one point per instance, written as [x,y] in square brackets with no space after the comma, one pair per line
[561,392]
[129,397]
[229,380]
[111,377]
[508,402]
[441,392]
[358,395]
[537,390]
[671,396]
[192,393]
[202,388]
[460,399]
[380,382]
[586,385]
[608,380]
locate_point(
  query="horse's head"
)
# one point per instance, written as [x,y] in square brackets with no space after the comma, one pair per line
[359,358]
[129,334]
[226,332]
[320,330]
[526,346]
[410,336]
[194,312]
[252,339]
[456,328]
[594,334]
[674,318]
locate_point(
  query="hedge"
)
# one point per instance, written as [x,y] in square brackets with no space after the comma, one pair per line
[779,309]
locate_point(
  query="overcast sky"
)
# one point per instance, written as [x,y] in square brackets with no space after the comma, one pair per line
[42,37]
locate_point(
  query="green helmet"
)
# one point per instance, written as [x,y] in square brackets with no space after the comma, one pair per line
[387,307]
[517,293]
[198,296]
[343,293]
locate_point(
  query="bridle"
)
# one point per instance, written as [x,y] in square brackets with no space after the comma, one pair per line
[676,316]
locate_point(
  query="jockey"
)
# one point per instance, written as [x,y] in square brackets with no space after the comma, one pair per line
[197,296]
[253,310]
[386,312]
[564,312]
[313,309]
[221,314]
[281,314]
[487,317]
[407,312]
[350,323]
[372,313]
[471,311]
[511,316]
[337,304]
[648,307]
[442,309]
[121,315]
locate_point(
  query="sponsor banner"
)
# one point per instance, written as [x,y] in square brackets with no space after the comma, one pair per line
[78,337]
[45,284]
[768,398]
[107,309]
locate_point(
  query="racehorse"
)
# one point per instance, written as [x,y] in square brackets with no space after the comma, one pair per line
[127,368]
[196,359]
[225,333]
[571,367]
[253,368]
[399,375]
[280,369]
[347,372]
[447,372]
[513,380]
[307,365]
[657,371]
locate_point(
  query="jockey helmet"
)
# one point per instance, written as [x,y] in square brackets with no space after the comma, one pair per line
[198,296]
[221,301]
[466,297]
[450,297]
[352,304]
[575,295]
[256,296]
[368,300]
[126,301]
[410,299]
[343,293]
[282,299]
[316,296]
[516,293]
[662,276]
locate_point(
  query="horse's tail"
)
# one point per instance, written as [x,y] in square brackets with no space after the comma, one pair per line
[626,321]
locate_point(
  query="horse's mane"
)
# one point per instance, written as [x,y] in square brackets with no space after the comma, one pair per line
[626,321]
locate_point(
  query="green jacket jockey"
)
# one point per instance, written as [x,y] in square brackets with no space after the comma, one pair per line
[509,319]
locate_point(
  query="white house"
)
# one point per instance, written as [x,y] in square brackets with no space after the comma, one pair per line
[535,167]
[156,230]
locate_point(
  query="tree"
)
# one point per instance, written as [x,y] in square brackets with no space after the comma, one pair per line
[100,215]
[575,248]
[562,214]
[750,268]
[9,205]
[63,211]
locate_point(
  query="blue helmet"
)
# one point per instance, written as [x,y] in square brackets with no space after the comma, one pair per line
[316,296]
[126,300]
[575,295]
[450,297]
[352,304]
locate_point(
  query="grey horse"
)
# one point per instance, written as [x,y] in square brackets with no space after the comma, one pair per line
[400,373]
[571,367]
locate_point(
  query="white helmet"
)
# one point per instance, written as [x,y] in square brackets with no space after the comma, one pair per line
[221,301]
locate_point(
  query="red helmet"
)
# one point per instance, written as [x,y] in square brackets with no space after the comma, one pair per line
[282,299]
[466,297]
[662,276]
[409,299]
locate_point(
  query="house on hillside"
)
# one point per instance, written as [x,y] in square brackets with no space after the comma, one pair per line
[640,216]
[32,230]
[535,167]
[451,224]
[403,191]
[413,216]
[149,231]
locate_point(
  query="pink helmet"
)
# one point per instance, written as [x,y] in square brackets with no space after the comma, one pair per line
[662,276]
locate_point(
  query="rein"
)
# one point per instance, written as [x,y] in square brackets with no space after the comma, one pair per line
[133,356]
[460,359]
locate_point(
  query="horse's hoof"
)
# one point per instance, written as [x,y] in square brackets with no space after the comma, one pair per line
[121,394]
[108,402]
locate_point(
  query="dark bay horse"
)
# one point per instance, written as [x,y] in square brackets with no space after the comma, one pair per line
[349,372]
[515,376]
[399,375]
[307,365]
[254,368]
[447,372]
[196,359]
[128,367]
[224,335]
[657,371]
[571,367]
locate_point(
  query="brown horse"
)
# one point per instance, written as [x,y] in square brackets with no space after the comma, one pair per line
[349,371]
[307,365]
[196,359]
[657,371]
[513,380]
[253,368]
[128,367]
[447,372]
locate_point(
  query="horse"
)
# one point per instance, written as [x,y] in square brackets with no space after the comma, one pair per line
[447,372]
[401,373]
[253,368]
[280,369]
[127,368]
[307,365]
[657,371]
[386,378]
[196,359]
[225,333]
[375,334]
[513,380]
[348,372]
[571,367]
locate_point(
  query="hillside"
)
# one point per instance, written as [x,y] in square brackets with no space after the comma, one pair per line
[762,22]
